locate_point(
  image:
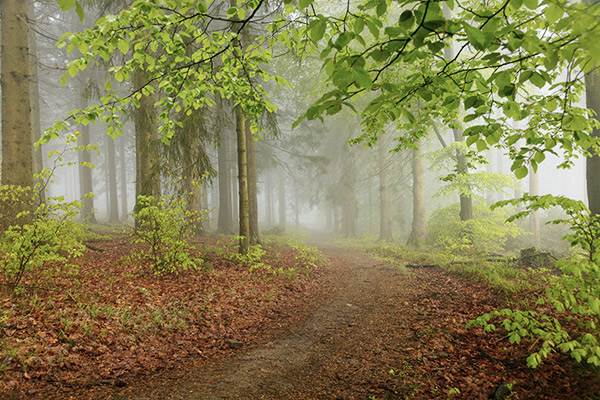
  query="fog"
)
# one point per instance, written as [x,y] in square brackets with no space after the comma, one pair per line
[307,177]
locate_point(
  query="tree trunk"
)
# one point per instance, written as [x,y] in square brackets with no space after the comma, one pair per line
[113,206]
[466,201]
[85,160]
[296,206]
[36,129]
[252,187]
[385,220]
[269,199]
[282,204]
[123,167]
[17,160]
[592,97]
[534,221]
[225,218]
[419,222]
[146,142]
[244,205]
[349,208]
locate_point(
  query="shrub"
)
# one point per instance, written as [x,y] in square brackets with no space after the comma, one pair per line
[165,226]
[49,236]
[487,231]
[574,295]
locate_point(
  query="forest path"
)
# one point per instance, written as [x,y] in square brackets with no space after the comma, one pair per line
[328,355]
[379,332]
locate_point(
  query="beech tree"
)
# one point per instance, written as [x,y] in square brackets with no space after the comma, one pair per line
[501,48]
[17,161]
[183,48]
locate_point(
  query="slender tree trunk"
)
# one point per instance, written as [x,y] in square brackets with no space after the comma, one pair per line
[349,207]
[282,196]
[269,199]
[85,160]
[244,207]
[146,142]
[466,201]
[113,213]
[36,129]
[534,220]
[592,97]
[419,222]
[17,160]
[225,218]
[385,220]
[252,187]
[123,167]
[296,206]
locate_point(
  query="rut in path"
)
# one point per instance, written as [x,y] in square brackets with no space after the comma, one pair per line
[308,361]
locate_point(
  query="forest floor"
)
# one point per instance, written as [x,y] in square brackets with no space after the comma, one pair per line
[354,328]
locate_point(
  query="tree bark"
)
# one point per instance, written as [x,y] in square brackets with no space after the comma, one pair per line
[252,187]
[146,142]
[466,201]
[419,222]
[592,97]
[17,160]
[225,218]
[123,167]
[36,129]
[534,219]
[282,196]
[113,206]
[385,220]
[244,206]
[85,160]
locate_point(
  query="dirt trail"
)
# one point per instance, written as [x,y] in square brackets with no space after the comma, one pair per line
[294,365]
[382,333]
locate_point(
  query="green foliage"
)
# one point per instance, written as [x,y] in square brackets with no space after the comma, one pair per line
[474,68]
[170,42]
[50,239]
[574,295]
[472,182]
[166,226]
[487,231]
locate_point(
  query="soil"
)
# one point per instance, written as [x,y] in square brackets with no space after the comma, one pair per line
[372,331]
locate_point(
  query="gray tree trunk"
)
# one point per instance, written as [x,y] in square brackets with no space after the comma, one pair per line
[113,205]
[244,205]
[146,142]
[592,97]
[225,219]
[419,222]
[385,218]
[17,160]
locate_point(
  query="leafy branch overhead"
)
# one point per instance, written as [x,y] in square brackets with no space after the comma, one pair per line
[192,49]
[504,71]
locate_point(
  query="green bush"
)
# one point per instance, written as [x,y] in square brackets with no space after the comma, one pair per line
[166,226]
[487,231]
[49,236]
[574,295]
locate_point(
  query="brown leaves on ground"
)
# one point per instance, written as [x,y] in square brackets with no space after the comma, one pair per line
[356,329]
[111,322]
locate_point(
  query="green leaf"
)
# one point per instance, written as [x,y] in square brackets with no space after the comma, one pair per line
[521,172]
[79,11]
[553,12]
[302,4]
[123,46]
[66,5]
[362,78]
[316,30]
[531,4]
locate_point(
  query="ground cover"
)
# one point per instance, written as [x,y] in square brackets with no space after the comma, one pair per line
[107,321]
